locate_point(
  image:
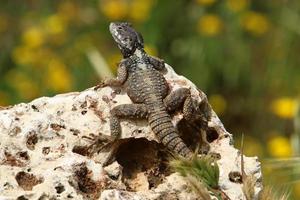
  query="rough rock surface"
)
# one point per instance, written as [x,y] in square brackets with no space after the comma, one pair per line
[45,150]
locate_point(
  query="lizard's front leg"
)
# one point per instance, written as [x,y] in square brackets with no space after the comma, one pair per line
[121,76]
[157,63]
[121,111]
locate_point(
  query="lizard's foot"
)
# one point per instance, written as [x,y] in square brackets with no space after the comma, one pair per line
[205,147]
[104,143]
[102,84]
[181,99]
[100,143]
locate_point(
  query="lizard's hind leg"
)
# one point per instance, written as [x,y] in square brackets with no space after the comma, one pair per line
[157,63]
[135,111]
[181,99]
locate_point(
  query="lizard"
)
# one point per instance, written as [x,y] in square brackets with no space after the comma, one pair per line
[147,88]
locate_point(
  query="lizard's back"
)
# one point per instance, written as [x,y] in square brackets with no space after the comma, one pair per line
[145,86]
[148,86]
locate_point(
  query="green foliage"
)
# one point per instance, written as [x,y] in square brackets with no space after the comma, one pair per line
[286,170]
[269,193]
[205,170]
[199,187]
[248,187]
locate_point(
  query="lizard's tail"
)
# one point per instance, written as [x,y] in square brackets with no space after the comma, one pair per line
[161,124]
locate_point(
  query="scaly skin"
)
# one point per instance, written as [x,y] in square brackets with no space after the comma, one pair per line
[148,90]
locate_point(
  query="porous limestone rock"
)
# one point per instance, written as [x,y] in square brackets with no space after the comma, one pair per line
[48,150]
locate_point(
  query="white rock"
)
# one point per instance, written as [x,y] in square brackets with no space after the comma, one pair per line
[45,143]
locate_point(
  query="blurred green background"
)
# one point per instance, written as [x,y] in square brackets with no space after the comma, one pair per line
[242,53]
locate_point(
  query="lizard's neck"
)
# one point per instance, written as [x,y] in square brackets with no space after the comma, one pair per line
[140,53]
[140,57]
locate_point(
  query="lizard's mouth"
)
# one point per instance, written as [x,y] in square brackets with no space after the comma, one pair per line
[116,33]
[120,35]
[113,30]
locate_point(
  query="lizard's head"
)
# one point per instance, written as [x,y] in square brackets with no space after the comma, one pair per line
[126,37]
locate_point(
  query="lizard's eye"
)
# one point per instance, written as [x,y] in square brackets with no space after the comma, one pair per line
[120,27]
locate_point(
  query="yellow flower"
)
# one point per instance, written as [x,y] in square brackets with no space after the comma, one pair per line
[33,37]
[58,78]
[255,23]
[114,9]
[279,147]
[140,10]
[297,190]
[23,55]
[24,85]
[42,57]
[151,50]
[237,5]
[284,107]
[210,25]
[55,24]
[68,10]
[4,99]
[205,2]
[218,103]
[3,23]
[83,41]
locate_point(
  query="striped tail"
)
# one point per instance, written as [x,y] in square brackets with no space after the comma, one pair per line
[160,123]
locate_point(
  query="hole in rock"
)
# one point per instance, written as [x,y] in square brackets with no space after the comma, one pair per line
[46,150]
[144,163]
[215,156]
[22,198]
[24,155]
[12,160]
[211,135]
[27,181]
[31,140]
[59,188]
[190,134]
[235,177]
[85,183]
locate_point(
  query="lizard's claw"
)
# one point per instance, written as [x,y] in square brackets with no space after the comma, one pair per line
[100,143]
[102,84]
